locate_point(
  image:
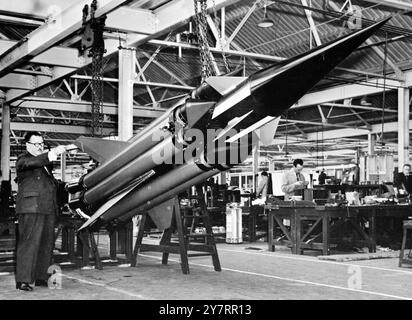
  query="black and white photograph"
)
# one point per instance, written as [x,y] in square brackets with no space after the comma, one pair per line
[205,158]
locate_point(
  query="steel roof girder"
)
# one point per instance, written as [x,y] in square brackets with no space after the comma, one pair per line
[58,73]
[55,56]
[347,91]
[47,35]
[132,20]
[398,4]
[67,105]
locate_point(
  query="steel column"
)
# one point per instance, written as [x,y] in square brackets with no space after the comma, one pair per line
[63,167]
[126,80]
[403,124]
[255,159]
[371,144]
[5,139]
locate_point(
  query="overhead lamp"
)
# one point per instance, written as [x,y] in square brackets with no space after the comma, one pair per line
[364,101]
[265,22]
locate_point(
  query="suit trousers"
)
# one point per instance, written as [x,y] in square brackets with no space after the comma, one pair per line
[34,247]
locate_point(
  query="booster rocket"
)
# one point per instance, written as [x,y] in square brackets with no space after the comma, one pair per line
[176,151]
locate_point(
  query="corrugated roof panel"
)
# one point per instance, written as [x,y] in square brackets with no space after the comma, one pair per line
[267,40]
[15,31]
[185,67]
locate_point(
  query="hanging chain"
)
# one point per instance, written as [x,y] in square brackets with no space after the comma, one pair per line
[96,53]
[201,31]
[97,95]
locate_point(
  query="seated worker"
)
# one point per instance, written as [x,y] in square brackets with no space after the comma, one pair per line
[403,181]
[293,181]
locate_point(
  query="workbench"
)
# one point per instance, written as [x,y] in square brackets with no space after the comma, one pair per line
[254,219]
[363,219]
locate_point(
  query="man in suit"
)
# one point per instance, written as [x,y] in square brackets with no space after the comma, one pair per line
[36,207]
[322,177]
[403,181]
[293,181]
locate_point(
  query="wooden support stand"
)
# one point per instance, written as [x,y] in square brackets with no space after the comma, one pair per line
[166,246]
[407,225]
[7,224]
[68,227]
[8,236]
[7,242]
[79,244]
[121,241]
[88,242]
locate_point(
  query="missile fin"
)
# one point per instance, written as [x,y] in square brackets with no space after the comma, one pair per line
[162,214]
[231,124]
[232,99]
[224,84]
[117,197]
[99,212]
[235,73]
[251,128]
[195,110]
[100,149]
[267,131]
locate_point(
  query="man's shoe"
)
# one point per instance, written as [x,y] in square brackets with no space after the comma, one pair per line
[41,283]
[23,286]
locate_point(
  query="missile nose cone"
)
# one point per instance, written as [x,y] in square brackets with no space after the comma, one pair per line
[375,26]
[382,22]
[270,91]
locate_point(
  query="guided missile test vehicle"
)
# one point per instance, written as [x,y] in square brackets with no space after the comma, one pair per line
[211,129]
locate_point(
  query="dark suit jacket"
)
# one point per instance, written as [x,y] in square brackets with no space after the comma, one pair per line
[37,189]
[404,182]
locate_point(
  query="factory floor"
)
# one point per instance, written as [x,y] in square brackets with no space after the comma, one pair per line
[249,271]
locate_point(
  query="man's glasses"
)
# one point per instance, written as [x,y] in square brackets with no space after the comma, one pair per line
[37,145]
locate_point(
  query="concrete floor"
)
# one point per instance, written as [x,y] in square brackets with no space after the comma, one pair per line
[249,271]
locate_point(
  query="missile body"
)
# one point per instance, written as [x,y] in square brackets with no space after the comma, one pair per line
[138,157]
[229,103]
[140,144]
[161,187]
[130,171]
[169,194]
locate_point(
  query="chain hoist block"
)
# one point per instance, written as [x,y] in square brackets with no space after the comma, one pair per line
[92,40]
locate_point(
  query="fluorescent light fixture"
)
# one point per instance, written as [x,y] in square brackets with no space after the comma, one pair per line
[265,22]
